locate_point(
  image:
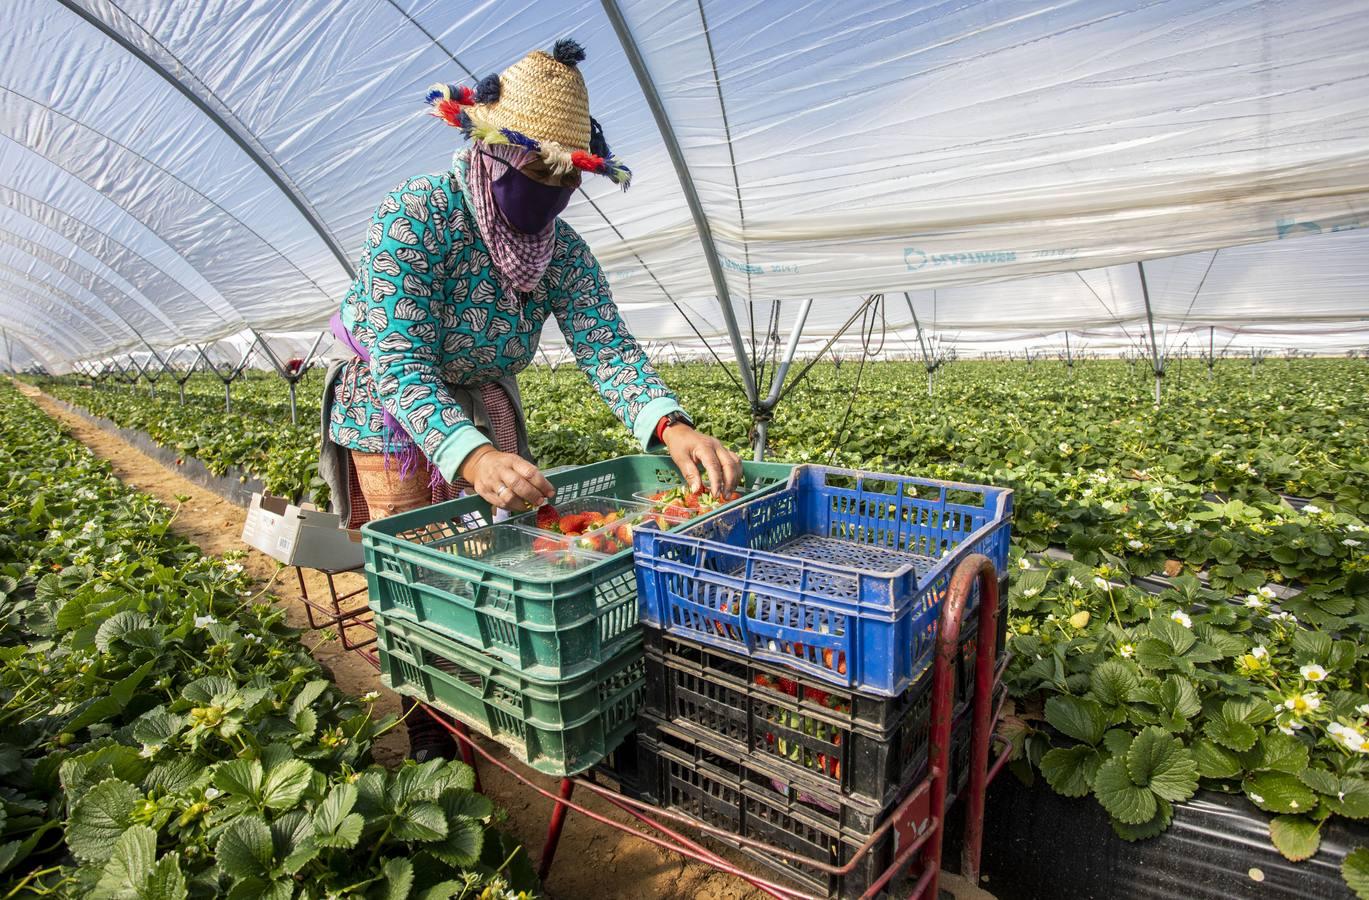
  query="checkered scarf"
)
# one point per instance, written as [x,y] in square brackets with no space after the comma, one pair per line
[520,259]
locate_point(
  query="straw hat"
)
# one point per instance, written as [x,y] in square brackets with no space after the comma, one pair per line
[539,102]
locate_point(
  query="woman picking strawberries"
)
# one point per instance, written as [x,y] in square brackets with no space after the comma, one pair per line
[458,273]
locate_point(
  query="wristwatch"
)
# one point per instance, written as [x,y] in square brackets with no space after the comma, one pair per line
[671,418]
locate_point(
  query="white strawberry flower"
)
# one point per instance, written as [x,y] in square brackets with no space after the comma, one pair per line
[1267,592]
[370,696]
[1302,704]
[211,792]
[1351,542]
[149,750]
[1127,651]
[1351,739]
[1135,544]
[1253,601]
[1259,652]
[1024,564]
[1064,448]
[1313,672]
[1363,709]
[1311,510]
[1283,617]
[1182,618]
[205,621]
[233,568]
[1188,528]
[1031,592]
[1074,582]
[1100,582]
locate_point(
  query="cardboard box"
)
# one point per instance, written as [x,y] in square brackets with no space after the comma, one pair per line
[300,536]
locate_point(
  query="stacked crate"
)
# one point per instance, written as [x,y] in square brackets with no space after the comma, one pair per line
[539,649]
[788,655]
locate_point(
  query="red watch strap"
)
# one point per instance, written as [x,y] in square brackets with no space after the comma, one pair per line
[661,426]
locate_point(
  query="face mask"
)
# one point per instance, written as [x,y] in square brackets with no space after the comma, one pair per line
[530,206]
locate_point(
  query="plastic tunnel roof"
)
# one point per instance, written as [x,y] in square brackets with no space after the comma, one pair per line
[176,171]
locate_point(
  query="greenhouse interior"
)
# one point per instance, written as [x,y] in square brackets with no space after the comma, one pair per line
[645,448]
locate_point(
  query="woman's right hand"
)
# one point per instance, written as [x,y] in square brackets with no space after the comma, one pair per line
[506,480]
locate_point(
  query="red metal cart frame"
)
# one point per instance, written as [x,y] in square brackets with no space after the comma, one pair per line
[916,836]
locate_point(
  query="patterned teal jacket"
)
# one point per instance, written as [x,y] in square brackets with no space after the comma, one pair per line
[430,311]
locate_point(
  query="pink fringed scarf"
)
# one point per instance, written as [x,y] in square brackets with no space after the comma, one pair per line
[520,259]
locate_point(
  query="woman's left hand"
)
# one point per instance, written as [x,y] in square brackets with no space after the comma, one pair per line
[690,449]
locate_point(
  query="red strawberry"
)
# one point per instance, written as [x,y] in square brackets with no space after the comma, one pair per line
[547,517]
[594,542]
[624,534]
[548,545]
[679,511]
[573,523]
[789,686]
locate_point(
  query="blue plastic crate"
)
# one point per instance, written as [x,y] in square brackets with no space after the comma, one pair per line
[841,575]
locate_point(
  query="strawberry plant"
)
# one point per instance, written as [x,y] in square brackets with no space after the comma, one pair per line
[166,734]
[1138,699]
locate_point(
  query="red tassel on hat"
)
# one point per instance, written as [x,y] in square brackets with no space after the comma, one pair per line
[587,161]
[449,111]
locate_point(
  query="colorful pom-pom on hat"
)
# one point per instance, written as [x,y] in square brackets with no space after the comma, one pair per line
[539,102]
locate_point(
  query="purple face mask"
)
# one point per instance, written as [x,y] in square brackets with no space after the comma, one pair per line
[530,206]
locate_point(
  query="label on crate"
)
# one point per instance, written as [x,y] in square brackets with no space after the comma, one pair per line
[912,820]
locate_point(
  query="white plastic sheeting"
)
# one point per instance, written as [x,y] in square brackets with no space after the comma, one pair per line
[178,170]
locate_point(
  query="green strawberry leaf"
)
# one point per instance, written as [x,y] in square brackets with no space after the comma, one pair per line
[399,879]
[1112,682]
[166,882]
[1078,717]
[1296,837]
[1070,770]
[1125,801]
[1159,761]
[1164,814]
[1281,752]
[130,862]
[1279,792]
[244,849]
[241,778]
[1355,871]
[99,817]
[1215,761]
[285,784]
[421,822]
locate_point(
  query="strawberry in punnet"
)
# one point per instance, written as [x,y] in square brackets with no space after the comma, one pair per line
[548,546]
[623,533]
[573,524]
[547,517]
[592,542]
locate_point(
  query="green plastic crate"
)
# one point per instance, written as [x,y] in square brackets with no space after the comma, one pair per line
[557,727]
[548,625]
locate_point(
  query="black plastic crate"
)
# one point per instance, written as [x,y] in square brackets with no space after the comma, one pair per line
[856,744]
[737,793]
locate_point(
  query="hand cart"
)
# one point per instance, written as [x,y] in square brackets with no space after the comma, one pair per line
[918,821]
